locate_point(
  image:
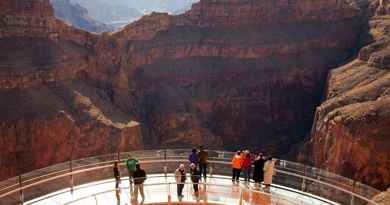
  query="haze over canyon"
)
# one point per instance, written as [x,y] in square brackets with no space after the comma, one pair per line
[304,79]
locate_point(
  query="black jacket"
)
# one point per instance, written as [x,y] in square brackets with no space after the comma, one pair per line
[139,176]
[195,175]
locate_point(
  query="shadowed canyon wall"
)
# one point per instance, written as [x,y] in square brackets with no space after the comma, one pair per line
[229,73]
[351,132]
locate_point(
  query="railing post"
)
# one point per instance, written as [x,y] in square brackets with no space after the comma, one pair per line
[241,202]
[304,179]
[96,200]
[21,195]
[71,176]
[205,190]
[169,194]
[165,169]
[352,202]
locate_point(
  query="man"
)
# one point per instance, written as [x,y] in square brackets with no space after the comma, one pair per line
[180,177]
[139,178]
[131,167]
[203,158]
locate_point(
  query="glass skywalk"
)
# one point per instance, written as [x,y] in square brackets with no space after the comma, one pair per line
[90,181]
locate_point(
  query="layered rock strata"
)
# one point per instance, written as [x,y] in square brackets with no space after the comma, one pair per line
[50,110]
[351,132]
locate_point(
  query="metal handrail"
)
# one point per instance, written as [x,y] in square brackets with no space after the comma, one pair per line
[108,163]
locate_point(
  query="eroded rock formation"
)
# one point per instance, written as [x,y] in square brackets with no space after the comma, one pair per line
[50,111]
[351,132]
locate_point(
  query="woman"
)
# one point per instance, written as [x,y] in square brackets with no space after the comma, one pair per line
[236,165]
[246,167]
[258,173]
[195,177]
[268,172]
[180,177]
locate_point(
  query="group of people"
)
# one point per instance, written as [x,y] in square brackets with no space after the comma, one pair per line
[242,162]
[137,177]
[263,167]
[198,165]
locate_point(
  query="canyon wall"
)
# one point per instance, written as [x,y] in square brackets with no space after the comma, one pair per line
[229,74]
[351,132]
[50,111]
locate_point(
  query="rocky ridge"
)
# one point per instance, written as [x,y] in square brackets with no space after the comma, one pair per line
[351,131]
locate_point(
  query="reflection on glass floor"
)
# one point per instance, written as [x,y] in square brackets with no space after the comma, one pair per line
[158,188]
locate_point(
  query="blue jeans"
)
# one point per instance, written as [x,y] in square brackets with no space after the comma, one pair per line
[203,169]
[247,174]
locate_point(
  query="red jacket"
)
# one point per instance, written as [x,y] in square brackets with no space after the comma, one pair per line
[246,163]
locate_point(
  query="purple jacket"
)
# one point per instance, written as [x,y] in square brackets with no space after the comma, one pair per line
[193,158]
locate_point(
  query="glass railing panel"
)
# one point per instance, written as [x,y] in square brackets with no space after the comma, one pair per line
[308,179]
[41,188]
[45,173]
[11,199]
[9,185]
[328,192]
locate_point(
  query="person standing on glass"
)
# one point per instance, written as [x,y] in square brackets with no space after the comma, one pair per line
[180,177]
[193,158]
[117,175]
[117,182]
[203,158]
[131,167]
[247,167]
[236,166]
[268,172]
[258,172]
[195,178]
[139,178]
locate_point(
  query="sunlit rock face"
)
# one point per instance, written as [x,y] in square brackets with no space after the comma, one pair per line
[351,132]
[78,16]
[229,74]
[50,110]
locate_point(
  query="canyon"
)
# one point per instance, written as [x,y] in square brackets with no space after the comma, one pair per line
[225,74]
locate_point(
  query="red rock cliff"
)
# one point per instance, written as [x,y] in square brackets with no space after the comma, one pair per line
[50,111]
[229,73]
[351,132]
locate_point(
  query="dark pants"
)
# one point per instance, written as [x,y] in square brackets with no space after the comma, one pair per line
[203,169]
[117,182]
[180,189]
[196,187]
[236,174]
